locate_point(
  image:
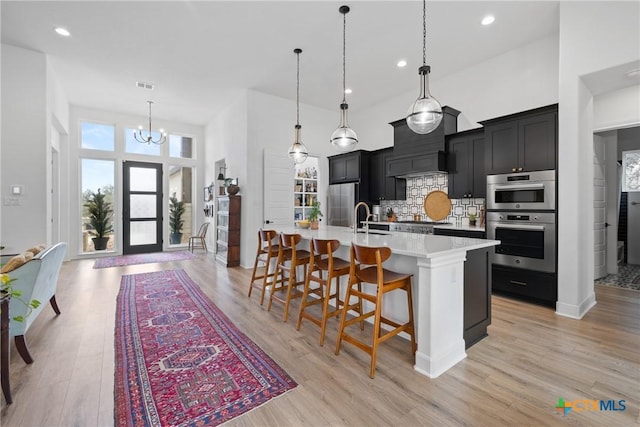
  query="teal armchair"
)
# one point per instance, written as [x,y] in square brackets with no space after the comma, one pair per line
[37,279]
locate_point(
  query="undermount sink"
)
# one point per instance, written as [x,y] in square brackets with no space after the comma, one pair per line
[373,232]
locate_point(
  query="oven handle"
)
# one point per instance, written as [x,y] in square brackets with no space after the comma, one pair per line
[518,187]
[521,227]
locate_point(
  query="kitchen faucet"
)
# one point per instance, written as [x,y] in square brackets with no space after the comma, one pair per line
[355,217]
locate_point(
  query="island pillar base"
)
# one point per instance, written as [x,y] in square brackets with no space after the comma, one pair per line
[440,314]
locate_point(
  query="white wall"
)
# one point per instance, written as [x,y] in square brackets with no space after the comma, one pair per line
[517,80]
[593,36]
[24,148]
[617,109]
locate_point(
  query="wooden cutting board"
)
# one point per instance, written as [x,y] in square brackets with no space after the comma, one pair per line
[437,205]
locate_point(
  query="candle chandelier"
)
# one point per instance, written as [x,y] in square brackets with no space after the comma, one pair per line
[425,114]
[298,152]
[344,138]
[148,139]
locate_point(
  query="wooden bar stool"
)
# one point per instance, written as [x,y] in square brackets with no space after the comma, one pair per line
[267,250]
[289,258]
[323,262]
[366,267]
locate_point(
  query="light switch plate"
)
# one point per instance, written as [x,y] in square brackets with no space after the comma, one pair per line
[16,190]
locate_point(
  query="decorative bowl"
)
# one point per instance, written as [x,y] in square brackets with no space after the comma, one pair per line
[304,224]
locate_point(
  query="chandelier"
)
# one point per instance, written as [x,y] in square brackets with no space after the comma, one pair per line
[298,152]
[344,138]
[425,114]
[148,139]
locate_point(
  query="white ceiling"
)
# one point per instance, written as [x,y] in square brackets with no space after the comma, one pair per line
[201,54]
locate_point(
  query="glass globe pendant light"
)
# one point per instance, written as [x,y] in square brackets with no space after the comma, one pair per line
[344,138]
[425,114]
[298,152]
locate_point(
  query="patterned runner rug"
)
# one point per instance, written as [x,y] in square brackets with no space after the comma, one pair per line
[180,361]
[123,260]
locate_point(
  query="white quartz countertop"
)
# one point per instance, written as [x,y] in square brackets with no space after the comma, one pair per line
[417,245]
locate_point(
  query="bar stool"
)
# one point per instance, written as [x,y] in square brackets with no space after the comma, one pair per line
[289,258]
[266,251]
[366,267]
[322,261]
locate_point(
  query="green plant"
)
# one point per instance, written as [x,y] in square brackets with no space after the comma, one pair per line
[314,212]
[472,217]
[100,212]
[7,289]
[176,210]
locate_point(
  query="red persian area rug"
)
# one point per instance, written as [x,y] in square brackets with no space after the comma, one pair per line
[180,361]
[124,260]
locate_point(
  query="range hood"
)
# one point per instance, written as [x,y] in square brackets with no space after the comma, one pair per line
[415,154]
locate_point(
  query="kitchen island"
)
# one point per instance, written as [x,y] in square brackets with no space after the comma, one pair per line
[437,264]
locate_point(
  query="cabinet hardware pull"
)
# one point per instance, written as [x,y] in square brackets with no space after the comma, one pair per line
[515,282]
[634,203]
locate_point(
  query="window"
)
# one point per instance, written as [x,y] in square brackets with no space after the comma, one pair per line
[181,209]
[96,175]
[631,170]
[180,146]
[135,147]
[95,136]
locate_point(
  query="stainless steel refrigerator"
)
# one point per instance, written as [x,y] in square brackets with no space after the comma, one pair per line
[342,200]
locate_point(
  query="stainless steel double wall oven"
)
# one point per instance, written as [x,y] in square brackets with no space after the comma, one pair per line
[521,213]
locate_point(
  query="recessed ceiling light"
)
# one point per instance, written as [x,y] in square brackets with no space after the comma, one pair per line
[402,63]
[487,20]
[633,73]
[62,31]
[347,91]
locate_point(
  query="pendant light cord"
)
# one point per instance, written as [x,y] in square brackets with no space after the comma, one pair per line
[298,89]
[424,32]
[344,55]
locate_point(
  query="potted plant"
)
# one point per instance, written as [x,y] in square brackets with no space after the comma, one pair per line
[100,212]
[472,219]
[314,214]
[176,210]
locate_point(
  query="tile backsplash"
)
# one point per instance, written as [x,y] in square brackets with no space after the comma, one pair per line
[418,187]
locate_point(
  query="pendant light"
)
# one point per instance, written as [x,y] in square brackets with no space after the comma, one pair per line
[426,113]
[148,138]
[344,138]
[298,152]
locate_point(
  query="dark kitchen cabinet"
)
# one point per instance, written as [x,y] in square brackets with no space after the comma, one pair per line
[381,186]
[534,286]
[349,167]
[454,232]
[465,164]
[522,142]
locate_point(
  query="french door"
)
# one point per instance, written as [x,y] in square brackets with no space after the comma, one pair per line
[142,207]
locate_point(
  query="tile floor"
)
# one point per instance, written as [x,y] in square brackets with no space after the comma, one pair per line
[627,275]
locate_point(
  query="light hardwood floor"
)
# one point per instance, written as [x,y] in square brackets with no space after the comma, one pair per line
[513,377]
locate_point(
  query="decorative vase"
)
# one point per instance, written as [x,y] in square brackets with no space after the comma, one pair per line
[175,238]
[100,243]
[233,189]
[314,225]
[472,222]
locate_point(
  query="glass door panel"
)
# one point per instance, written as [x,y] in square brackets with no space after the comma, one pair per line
[142,207]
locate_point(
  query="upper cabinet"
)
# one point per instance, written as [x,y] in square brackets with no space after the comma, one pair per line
[381,186]
[349,167]
[465,163]
[522,142]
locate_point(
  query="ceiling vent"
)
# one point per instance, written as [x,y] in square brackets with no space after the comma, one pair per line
[143,85]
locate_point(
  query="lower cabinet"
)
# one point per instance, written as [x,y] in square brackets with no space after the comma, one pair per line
[533,286]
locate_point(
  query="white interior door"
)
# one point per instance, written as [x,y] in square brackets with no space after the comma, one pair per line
[279,173]
[599,207]
[633,227]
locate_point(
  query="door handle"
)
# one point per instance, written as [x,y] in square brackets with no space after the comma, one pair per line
[267,222]
[606,224]
[634,203]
